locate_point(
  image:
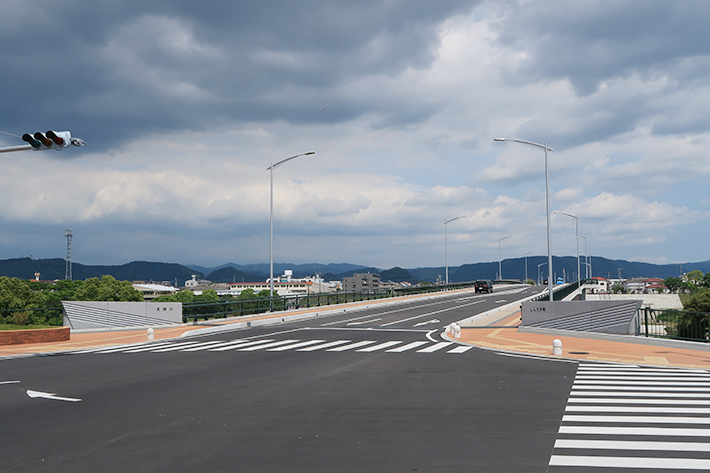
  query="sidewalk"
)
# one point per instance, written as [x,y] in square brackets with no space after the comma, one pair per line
[498,331]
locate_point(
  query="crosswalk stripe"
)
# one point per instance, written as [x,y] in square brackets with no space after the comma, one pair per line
[632,445]
[353,345]
[324,345]
[267,345]
[296,345]
[460,349]
[637,419]
[641,394]
[659,431]
[639,410]
[212,345]
[668,389]
[631,462]
[364,346]
[641,383]
[240,344]
[435,347]
[380,346]
[406,347]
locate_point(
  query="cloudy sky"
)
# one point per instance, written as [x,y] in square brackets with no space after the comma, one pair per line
[184,105]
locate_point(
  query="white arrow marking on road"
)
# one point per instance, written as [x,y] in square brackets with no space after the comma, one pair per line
[433,321]
[364,322]
[34,394]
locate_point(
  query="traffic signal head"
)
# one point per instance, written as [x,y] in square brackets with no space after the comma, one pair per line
[50,140]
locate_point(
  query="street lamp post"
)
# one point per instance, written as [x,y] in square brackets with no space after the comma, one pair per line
[446,245]
[587,272]
[500,266]
[547,203]
[526,265]
[271,220]
[538,271]
[576,232]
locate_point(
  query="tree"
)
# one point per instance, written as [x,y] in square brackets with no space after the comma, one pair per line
[107,289]
[673,284]
[699,302]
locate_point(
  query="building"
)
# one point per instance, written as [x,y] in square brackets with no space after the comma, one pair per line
[361,282]
[151,291]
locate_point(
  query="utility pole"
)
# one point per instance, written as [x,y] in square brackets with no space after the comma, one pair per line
[69,234]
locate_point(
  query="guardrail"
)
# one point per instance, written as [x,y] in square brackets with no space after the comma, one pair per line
[674,324]
[41,316]
[234,307]
[558,292]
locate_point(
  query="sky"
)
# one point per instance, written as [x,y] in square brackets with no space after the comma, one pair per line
[184,105]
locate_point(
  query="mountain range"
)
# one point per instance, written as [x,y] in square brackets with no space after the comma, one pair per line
[512,268]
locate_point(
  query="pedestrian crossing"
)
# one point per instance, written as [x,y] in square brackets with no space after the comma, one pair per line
[621,417]
[295,345]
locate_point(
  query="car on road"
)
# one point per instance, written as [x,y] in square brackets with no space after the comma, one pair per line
[483,286]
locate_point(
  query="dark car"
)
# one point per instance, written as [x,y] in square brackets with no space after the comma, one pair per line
[483,286]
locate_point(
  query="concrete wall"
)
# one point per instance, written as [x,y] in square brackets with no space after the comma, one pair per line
[618,317]
[110,314]
[654,301]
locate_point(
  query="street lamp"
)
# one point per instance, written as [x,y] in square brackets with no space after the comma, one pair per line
[547,203]
[586,259]
[538,271]
[576,232]
[446,245]
[500,267]
[271,219]
[526,265]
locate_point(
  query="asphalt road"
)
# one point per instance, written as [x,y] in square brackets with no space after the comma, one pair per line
[279,400]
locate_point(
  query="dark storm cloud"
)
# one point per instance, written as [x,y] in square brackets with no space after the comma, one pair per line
[589,42]
[112,69]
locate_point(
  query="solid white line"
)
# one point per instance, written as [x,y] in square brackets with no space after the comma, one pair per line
[639,410]
[296,345]
[268,345]
[670,390]
[429,314]
[406,347]
[325,345]
[380,346]
[659,431]
[631,445]
[667,373]
[240,344]
[353,345]
[631,462]
[665,379]
[641,394]
[434,348]
[9,382]
[689,402]
[637,419]
[461,349]
[641,383]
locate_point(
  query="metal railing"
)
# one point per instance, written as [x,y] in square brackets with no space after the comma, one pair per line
[675,324]
[43,316]
[235,307]
[558,293]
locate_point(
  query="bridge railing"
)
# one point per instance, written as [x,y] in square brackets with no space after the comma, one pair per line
[675,324]
[235,307]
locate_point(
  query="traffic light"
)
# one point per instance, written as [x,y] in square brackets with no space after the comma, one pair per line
[51,140]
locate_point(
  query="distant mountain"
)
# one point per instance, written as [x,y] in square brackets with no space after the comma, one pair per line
[230,274]
[397,274]
[51,269]
[512,268]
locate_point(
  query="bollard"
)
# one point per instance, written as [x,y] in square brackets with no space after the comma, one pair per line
[457,330]
[557,346]
[151,334]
